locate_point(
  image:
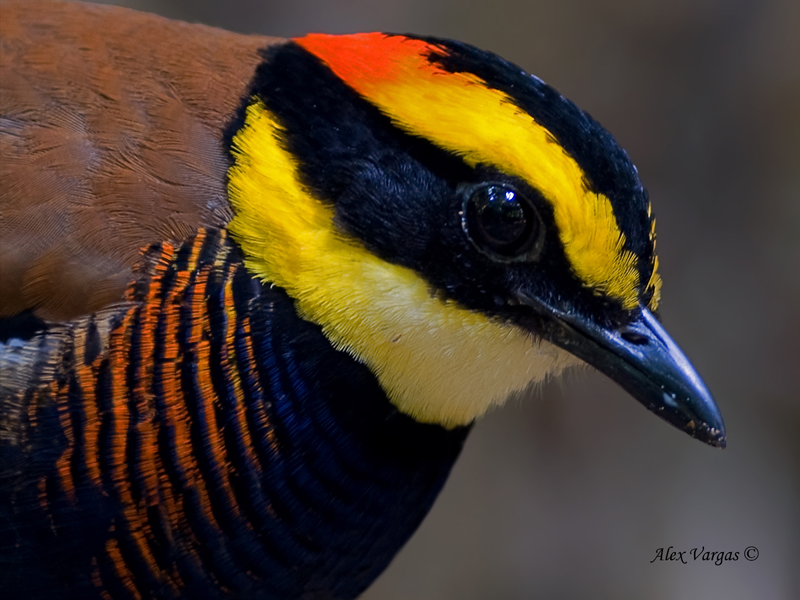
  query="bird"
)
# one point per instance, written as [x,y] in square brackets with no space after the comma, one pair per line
[254,293]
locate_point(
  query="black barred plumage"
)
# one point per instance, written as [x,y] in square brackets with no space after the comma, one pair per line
[202,438]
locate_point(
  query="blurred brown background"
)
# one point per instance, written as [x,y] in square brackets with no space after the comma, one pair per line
[569,493]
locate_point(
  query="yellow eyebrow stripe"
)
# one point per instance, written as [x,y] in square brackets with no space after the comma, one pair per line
[458,113]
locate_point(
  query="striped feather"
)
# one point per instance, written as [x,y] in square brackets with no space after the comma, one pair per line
[200,440]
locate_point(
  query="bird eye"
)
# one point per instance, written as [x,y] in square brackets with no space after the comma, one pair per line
[500,222]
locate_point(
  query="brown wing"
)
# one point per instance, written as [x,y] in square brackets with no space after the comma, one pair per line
[111,125]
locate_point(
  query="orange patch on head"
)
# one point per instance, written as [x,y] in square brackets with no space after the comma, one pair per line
[367,59]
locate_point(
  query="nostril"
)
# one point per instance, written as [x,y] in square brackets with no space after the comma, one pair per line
[634,338]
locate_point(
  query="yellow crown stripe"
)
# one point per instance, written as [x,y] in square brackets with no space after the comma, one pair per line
[457,112]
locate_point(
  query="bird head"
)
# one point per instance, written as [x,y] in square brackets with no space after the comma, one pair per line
[455,224]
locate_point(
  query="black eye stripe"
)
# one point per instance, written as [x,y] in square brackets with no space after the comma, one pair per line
[501,222]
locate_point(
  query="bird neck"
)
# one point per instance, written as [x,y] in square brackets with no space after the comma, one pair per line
[436,361]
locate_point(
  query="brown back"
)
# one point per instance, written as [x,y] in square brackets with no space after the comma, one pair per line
[111,125]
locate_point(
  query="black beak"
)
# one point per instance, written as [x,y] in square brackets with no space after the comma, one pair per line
[643,359]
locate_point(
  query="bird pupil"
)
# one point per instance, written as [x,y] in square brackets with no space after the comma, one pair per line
[501,217]
[501,223]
